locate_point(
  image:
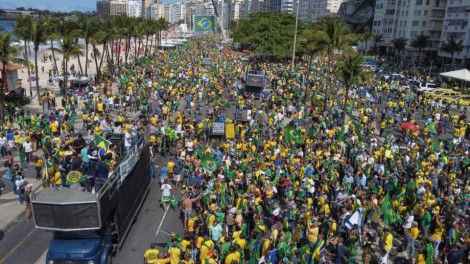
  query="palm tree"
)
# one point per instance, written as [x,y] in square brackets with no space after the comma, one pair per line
[365,37]
[376,38]
[22,29]
[161,24]
[52,31]
[69,48]
[38,36]
[333,34]
[420,42]
[349,69]
[8,55]
[452,45]
[399,44]
[87,28]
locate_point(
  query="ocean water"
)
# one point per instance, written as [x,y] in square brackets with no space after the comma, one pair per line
[7,25]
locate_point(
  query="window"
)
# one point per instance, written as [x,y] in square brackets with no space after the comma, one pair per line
[419,2]
[417,13]
[415,23]
[427,2]
[413,33]
[424,23]
[425,13]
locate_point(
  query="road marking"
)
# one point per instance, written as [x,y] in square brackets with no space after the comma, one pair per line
[13,250]
[161,222]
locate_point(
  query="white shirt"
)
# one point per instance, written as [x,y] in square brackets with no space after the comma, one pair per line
[18,183]
[3,141]
[166,189]
[127,140]
[189,146]
[28,147]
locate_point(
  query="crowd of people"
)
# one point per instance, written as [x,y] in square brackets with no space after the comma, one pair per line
[301,181]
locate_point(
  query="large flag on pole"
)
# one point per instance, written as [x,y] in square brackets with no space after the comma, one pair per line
[102,142]
[387,210]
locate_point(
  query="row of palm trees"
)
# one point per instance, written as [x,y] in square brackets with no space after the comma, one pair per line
[452,45]
[111,34]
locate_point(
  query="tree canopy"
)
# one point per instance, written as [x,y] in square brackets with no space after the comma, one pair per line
[269,34]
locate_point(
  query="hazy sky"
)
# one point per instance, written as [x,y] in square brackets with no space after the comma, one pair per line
[52,5]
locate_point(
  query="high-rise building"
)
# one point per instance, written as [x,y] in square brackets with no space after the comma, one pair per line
[456,25]
[146,8]
[134,8]
[103,8]
[118,7]
[323,8]
[409,19]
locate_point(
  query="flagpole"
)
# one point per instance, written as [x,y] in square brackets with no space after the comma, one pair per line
[295,35]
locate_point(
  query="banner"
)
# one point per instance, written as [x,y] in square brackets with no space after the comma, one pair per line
[205,23]
[230,131]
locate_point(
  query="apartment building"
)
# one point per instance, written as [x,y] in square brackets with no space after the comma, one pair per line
[408,19]
[118,7]
[456,24]
[134,8]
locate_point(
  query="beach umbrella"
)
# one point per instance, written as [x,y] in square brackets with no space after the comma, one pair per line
[72,79]
[409,126]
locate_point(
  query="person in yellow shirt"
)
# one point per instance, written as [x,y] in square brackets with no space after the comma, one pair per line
[54,127]
[233,256]
[151,254]
[312,234]
[174,252]
[206,249]
[387,241]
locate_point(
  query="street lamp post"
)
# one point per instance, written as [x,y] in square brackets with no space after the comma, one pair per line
[295,34]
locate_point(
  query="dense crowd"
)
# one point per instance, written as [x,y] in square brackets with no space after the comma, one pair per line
[381,175]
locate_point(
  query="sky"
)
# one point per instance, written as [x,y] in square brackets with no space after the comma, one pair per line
[52,5]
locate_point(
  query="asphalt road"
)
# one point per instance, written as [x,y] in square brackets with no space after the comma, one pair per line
[21,242]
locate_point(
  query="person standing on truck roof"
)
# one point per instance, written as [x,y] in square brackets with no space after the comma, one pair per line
[166,189]
[151,254]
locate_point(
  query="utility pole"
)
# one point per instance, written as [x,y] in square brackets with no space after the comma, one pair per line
[295,34]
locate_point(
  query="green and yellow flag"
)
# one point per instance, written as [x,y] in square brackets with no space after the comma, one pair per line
[209,163]
[387,210]
[102,142]
[293,135]
[74,177]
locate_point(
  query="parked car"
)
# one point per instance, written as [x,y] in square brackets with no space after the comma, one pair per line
[427,87]
[463,99]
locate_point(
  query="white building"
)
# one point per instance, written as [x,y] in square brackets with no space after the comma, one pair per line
[456,20]
[117,7]
[156,11]
[134,8]
[323,8]
[288,6]
[409,19]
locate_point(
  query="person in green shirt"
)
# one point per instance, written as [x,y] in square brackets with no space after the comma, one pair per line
[426,223]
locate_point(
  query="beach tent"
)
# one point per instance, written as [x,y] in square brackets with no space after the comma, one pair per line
[462,74]
[84,79]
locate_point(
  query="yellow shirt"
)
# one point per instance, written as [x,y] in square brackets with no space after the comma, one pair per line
[414,232]
[54,127]
[206,249]
[162,261]
[313,234]
[175,254]
[232,257]
[151,255]
[388,241]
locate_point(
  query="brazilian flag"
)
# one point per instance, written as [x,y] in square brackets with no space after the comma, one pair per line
[293,135]
[387,211]
[221,102]
[74,177]
[102,142]
[209,163]
[357,129]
